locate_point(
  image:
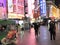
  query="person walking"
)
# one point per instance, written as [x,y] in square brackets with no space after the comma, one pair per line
[36,27]
[52,29]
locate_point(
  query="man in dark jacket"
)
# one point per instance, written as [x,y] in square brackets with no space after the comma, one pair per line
[52,29]
[36,26]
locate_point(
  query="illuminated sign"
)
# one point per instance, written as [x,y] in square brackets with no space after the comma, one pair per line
[10,6]
[54,12]
[15,9]
[3,10]
[42,8]
[30,8]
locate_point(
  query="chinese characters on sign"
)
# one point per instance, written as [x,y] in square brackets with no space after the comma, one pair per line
[42,8]
[15,8]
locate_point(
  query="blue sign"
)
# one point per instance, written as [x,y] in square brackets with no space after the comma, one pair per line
[42,8]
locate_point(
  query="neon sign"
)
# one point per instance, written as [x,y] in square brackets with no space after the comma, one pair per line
[42,8]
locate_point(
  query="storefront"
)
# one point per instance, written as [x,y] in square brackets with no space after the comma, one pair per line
[54,12]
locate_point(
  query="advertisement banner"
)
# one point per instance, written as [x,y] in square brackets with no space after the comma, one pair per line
[15,9]
[3,11]
[10,6]
[42,8]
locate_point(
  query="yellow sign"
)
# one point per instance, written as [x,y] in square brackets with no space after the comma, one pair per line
[15,16]
[54,11]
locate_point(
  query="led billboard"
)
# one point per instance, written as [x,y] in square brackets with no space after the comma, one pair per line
[3,12]
[30,8]
[10,6]
[15,9]
[42,8]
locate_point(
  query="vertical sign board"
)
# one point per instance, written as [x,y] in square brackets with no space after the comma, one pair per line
[1,7]
[10,6]
[42,8]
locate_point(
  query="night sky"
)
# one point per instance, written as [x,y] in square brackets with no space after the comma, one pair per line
[57,2]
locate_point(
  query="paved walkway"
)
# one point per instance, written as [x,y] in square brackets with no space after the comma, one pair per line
[43,39]
[28,39]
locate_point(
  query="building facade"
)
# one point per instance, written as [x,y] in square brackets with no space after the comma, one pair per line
[52,10]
